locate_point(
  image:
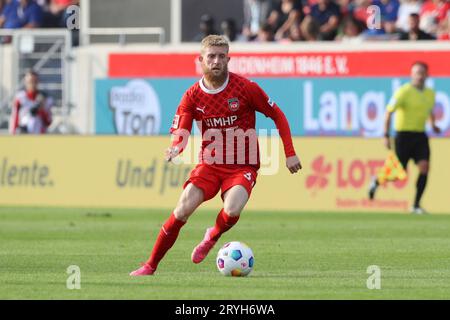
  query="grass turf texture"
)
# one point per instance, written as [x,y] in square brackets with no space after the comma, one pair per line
[297,255]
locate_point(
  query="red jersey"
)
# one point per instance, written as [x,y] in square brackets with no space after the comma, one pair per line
[25,119]
[226,118]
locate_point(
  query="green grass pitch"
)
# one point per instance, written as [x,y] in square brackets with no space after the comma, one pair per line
[299,255]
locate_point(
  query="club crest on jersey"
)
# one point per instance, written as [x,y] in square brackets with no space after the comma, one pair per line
[233,104]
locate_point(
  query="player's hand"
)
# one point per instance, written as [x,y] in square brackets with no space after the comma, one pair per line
[279,35]
[34,110]
[387,142]
[436,129]
[293,164]
[171,153]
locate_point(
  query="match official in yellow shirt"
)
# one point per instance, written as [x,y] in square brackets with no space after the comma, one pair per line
[413,104]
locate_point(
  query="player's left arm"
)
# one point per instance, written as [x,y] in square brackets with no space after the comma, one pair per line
[436,129]
[44,110]
[263,104]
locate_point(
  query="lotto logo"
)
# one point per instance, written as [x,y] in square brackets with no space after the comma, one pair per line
[354,173]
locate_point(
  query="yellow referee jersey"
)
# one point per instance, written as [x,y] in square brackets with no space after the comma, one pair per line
[412,107]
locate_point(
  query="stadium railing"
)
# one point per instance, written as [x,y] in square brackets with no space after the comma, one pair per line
[122,33]
[46,51]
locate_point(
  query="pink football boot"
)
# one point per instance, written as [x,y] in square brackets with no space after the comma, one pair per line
[145,270]
[201,251]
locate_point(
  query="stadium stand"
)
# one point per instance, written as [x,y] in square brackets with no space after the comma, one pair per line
[289,19]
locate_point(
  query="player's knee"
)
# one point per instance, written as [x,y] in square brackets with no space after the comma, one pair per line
[181,213]
[235,200]
[191,198]
[185,208]
[424,167]
[232,209]
[425,170]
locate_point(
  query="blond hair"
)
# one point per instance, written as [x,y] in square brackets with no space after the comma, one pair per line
[214,40]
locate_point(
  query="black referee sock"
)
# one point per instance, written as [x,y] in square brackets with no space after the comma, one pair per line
[420,188]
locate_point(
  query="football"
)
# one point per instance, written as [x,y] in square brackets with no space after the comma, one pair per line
[235,259]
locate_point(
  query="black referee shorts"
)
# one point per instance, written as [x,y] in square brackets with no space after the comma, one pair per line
[411,145]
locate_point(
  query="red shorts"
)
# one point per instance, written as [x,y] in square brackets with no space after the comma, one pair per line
[211,179]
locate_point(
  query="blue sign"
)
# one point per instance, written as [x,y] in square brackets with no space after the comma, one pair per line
[313,106]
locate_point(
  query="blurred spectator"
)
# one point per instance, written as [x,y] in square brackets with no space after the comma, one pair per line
[49,20]
[444,29]
[2,21]
[206,27]
[285,15]
[256,13]
[388,31]
[388,9]
[347,7]
[391,31]
[351,30]
[309,29]
[432,14]
[31,110]
[406,8]
[360,10]
[229,30]
[54,11]
[58,9]
[414,32]
[265,34]
[21,14]
[326,13]
[294,33]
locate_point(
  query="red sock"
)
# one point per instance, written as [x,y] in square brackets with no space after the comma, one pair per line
[223,223]
[166,238]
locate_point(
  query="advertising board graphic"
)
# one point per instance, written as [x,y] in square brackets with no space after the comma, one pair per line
[313,106]
[124,171]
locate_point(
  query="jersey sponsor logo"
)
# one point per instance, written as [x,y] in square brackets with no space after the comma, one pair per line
[271,102]
[176,121]
[220,122]
[233,104]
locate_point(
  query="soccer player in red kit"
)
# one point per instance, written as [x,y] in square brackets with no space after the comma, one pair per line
[223,104]
[31,111]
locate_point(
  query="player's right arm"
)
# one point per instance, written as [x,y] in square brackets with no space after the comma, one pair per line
[181,128]
[14,122]
[387,126]
[395,103]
